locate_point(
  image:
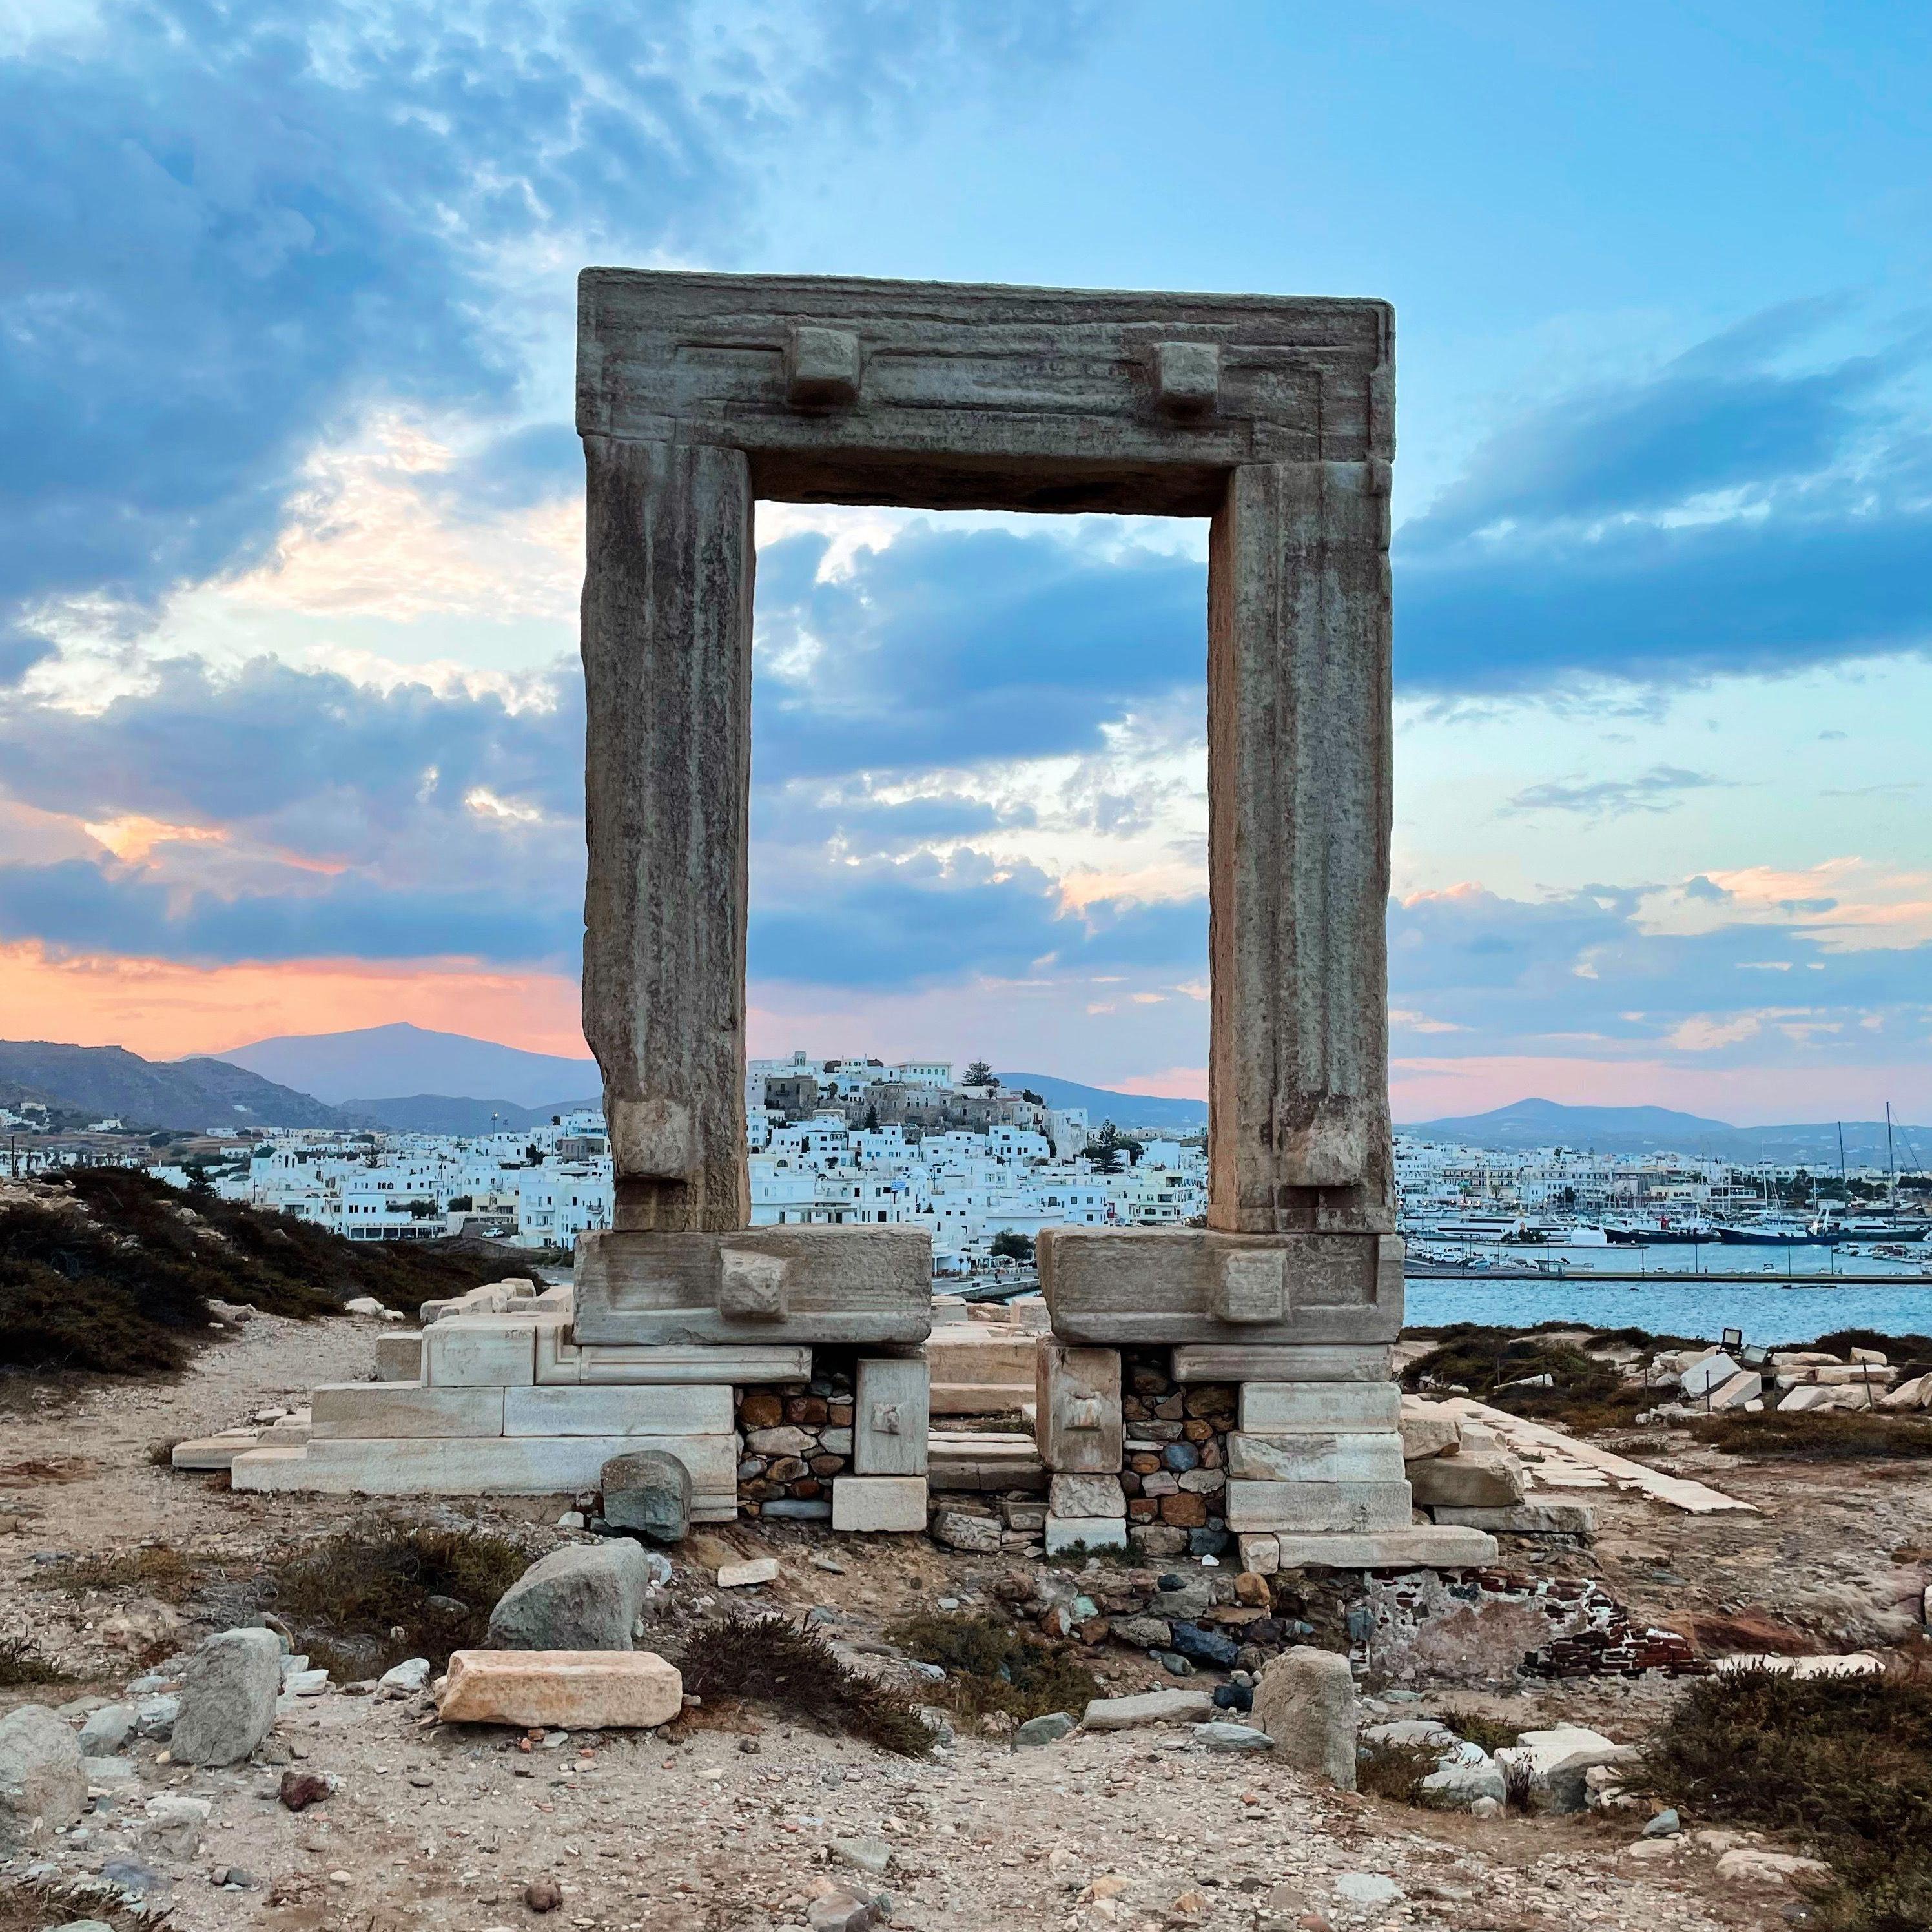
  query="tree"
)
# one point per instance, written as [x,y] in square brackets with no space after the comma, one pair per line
[979,1074]
[1009,1245]
[871,1120]
[1104,1149]
[462,1205]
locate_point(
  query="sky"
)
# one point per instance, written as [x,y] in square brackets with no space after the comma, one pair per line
[291,523]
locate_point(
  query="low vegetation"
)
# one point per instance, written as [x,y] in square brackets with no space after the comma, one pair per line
[22,1666]
[1842,1764]
[1816,1435]
[1387,1769]
[770,1660]
[1492,1734]
[32,1908]
[993,1669]
[110,1270]
[1502,1366]
[152,1569]
[345,1599]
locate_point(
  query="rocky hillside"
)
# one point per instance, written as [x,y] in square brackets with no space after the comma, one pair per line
[108,1270]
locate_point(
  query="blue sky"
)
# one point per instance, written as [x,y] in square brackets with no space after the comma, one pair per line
[290,523]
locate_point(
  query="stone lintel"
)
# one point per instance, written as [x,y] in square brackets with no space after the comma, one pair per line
[1116,1286]
[839,1284]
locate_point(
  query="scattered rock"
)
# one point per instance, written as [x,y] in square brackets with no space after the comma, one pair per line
[1750,1869]
[1046,1730]
[1367,1889]
[647,1492]
[227,1698]
[1305,1700]
[1665,1824]
[173,1825]
[866,1855]
[1152,1707]
[742,1576]
[154,1714]
[1555,1762]
[42,1783]
[405,1678]
[106,1730]
[543,1894]
[1221,1736]
[299,1789]
[584,1596]
[1200,1645]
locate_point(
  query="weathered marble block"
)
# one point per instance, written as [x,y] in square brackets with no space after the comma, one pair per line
[1215,1362]
[480,1351]
[1310,1457]
[896,1503]
[890,1418]
[352,1410]
[1317,1506]
[1078,1423]
[824,1285]
[660,1410]
[1323,1408]
[1191,1285]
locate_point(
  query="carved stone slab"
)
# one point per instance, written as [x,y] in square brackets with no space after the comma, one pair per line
[943,396]
[891,1417]
[1079,1423]
[1191,1285]
[777,1284]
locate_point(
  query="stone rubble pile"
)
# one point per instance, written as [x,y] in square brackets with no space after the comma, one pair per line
[1792,1381]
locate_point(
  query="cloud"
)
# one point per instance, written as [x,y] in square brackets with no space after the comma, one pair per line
[1729,513]
[229,229]
[957,645]
[920,921]
[1659,789]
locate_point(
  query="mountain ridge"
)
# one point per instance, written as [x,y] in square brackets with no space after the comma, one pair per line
[110,1082]
[401,1060]
[1521,1125]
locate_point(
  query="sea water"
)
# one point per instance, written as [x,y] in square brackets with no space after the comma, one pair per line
[1771,1313]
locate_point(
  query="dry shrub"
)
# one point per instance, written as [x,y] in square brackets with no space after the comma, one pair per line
[1844,1763]
[30,1908]
[1815,1436]
[1492,1734]
[1586,1393]
[153,1569]
[1387,1769]
[768,1659]
[992,1669]
[342,1598]
[22,1666]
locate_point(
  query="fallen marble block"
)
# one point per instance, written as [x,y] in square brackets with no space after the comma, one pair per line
[561,1689]
[1151,1707]
[1467,1481]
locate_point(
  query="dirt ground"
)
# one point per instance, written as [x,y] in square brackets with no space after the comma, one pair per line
[730,1830]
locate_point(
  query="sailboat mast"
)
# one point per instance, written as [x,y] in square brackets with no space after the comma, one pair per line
[1891,1165]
